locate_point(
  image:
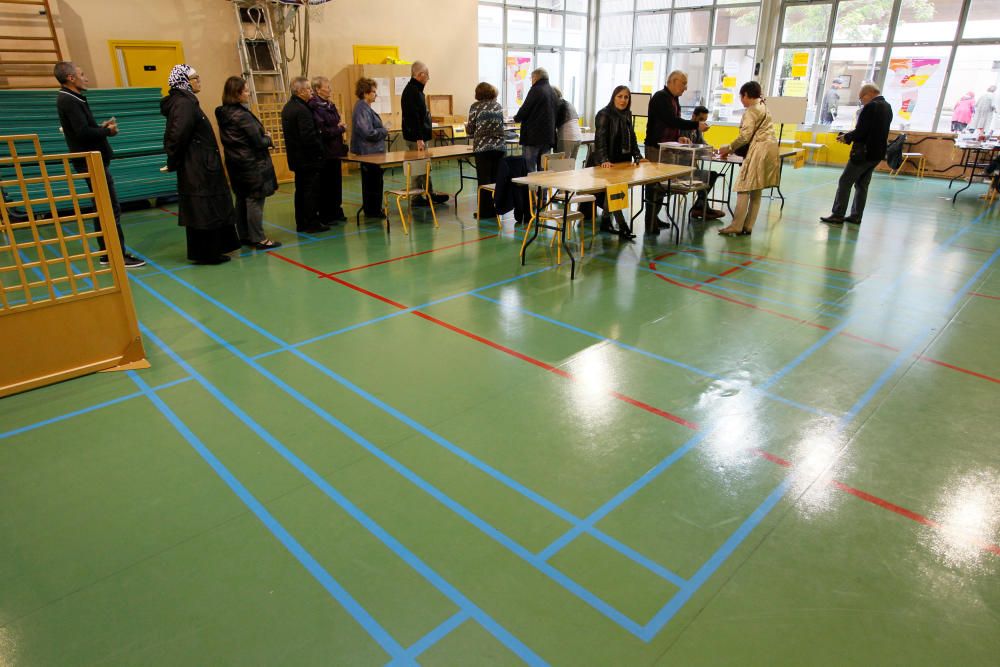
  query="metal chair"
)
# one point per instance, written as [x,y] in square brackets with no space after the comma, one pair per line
[408,193]
[492,189]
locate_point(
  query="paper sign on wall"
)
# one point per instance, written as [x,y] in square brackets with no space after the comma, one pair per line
[401,82]
[382,103]
[794,88]
[799,71]
[800,58]
[729,82]
[727,98]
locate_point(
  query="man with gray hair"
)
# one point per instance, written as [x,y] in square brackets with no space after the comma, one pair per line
[305,156]
[417,126]
[868,141]
[537,117]
[83,135]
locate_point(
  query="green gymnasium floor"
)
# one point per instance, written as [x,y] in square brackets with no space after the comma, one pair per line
[360,449]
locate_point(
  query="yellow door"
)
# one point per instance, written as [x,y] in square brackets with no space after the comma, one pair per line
[145,64]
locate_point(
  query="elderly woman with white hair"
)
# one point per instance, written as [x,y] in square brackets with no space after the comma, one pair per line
[205,207]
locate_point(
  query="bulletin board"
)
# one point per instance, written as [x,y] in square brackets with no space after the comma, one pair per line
[787,109]
[640,104]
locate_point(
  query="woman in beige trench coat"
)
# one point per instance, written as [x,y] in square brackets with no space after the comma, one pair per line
[761,166]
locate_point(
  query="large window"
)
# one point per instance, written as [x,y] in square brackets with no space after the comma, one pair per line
[517,36]
[908,47]
[641,41]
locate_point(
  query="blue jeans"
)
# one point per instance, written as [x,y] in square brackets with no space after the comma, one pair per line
[533,156]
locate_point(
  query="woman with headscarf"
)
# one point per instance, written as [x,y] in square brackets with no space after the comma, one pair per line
[761,166]
[962,114]
[205,207]
[248,162]
[614,143]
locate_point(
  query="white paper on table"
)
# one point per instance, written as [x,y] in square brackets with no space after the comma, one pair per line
[401,82]
[382,104]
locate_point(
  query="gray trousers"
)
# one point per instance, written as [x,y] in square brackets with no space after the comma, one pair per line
[250,219]
[857,175]
[533,156]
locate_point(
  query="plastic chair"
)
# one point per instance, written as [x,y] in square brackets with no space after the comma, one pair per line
[492,189]
[408,193]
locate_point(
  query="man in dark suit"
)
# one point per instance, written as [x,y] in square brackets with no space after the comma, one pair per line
[868,140]
[417,125]
[83,135]
[537,117]
[305,156]
[665,124]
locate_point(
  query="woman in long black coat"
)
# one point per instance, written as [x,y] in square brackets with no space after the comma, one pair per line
[248,161]
[205,203]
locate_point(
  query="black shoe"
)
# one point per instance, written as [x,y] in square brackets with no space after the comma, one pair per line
[339,217]
[221,259]
[420,201]
[315,229]
[133,262]
[851,219]
[832,219]
[439,198]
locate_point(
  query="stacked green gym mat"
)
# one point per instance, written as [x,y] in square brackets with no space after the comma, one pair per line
[138,146]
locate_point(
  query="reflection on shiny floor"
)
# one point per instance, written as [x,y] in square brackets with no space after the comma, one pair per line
[361,449]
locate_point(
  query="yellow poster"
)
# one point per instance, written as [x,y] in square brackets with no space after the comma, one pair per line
[617,197]
[727,98]
[799,71]
[647,76]
[800,58]
[729,82]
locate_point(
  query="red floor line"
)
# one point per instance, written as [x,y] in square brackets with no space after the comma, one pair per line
[885,504]
[984,296]
[166,210]
[729,272]
[415,254]
[485,341]
[815,325]
[779,260]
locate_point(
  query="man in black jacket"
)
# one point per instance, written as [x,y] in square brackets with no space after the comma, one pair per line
[867,141]
[537,117]
[83,134]
[305,156]
[417,126]
[665,122]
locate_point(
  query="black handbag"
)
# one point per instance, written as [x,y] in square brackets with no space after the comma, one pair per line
[744,149]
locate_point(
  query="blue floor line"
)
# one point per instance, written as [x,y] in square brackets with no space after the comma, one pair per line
[435,635]
[653,355]
[396,313]
[405,472]
[411,559]
[363,618]
[88,409]
[760,513]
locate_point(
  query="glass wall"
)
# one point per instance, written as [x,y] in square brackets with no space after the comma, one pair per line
[516,36]
[922,53]
[641,41]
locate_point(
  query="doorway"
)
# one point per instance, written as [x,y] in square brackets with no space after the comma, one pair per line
[143,64]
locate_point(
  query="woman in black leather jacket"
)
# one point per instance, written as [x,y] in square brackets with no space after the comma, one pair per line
[248,160]
[614,143]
